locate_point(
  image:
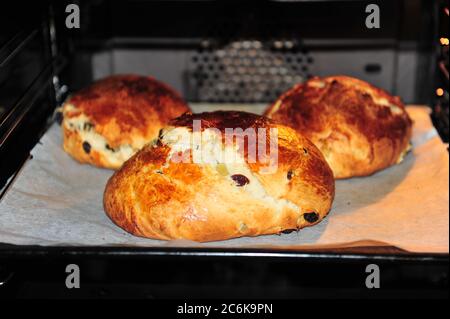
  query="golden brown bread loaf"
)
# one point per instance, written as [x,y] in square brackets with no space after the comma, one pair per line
[107,122]
[227,191]
[359,128]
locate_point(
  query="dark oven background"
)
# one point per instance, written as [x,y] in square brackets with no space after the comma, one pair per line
[252,51]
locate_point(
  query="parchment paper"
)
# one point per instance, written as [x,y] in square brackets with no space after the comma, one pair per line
[55,201]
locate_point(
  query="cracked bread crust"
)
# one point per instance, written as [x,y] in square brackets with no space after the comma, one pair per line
[152,196]
[108,121]
[359,128]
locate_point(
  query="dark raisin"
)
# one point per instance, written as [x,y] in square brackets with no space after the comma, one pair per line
[240,179]
[160,133]
[88,126]
[288,231]
[87,147]
[59,117]
[305,150]
[311,217]
[109,148]
[290,173]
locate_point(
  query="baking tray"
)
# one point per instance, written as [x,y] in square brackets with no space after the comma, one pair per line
[408,274]
[362,247]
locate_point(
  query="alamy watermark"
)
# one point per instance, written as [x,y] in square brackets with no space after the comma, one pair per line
[373,279]
[73,17]
[373,19]
[73,277]
[228,146]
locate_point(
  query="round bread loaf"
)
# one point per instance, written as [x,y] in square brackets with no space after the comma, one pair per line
[200,182]
[359,128]
[107,122]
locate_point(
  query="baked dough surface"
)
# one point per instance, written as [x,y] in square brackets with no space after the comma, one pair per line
[105,123]
[216,198]
[359,128]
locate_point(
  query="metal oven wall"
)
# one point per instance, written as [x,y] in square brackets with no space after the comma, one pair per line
[229,52]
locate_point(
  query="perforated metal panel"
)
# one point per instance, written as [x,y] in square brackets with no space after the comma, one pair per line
[246,70]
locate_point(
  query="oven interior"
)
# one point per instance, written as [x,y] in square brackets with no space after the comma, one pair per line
[213,52]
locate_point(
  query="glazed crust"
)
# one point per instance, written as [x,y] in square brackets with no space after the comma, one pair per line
[124,110]
[156,198]
[359,128]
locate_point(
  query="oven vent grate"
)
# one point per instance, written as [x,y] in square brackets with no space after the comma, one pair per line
[246,70]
